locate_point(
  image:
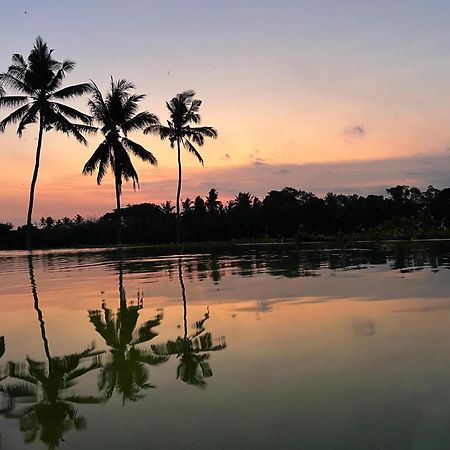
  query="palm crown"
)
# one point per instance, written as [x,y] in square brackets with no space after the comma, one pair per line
[39,81]
[184,111]
[117,116]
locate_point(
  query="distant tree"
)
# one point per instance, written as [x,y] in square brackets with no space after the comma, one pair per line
[38,80]
[187,205]
[212,203]
[5,228]
[199,206]
[167,207]
[117,116]
[184,111]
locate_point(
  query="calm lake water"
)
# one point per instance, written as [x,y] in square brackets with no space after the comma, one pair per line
[265,347]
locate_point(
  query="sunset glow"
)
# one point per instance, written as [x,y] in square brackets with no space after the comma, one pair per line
[305,82]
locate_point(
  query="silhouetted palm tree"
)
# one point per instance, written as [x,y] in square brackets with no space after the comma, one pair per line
[193,350]
[117,116]
[125,370]
[39,399]
[212,203]
[38,80]
[187,205]
[184,111]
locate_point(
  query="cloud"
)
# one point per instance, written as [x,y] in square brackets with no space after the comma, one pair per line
[60,198]
[355,131]
[258,162]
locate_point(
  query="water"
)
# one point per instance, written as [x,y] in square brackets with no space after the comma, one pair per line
[264,347]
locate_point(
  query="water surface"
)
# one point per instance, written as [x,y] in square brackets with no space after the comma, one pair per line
[250,348]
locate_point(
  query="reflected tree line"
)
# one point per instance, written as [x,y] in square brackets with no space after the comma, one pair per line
[277,260]
[41,395]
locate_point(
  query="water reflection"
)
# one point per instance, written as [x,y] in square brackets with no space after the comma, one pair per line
[124,370]
[192,350]
[39,393]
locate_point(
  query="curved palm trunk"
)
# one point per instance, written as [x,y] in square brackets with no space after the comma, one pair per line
[39,313]
[178,231]
[118,213]
[33,182]
[183,295]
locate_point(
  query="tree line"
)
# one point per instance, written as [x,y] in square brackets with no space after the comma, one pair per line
[40,98]
[286,214]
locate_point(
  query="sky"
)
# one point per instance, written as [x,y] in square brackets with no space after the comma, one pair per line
[344,96]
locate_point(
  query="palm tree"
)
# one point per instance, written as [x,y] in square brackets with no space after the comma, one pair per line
[125,369]
[193,350]
[39,398]
[117,116]
[39,80]
[212,203]
[184,111]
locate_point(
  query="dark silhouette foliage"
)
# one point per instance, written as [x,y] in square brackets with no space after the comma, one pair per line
[285,215]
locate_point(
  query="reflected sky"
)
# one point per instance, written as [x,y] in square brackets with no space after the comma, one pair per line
[265,346]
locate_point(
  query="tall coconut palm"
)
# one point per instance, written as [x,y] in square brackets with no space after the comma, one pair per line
[117,116]
[184,111]
[38,82]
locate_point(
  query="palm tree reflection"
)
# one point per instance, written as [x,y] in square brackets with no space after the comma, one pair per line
[193,350]
[38,392]
[125,369]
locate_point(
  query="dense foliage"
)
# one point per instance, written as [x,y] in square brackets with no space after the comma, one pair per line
[289,214]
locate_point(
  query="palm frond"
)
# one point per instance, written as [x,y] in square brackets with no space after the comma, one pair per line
[14,117]
[9,80]
[66,66]
[140,151]
[75,90]
[56,119]
[140,121]
[18,60]
[71,112]
[204,132]
[12,100]
[100,159]
[84,399]
[123,167]
[31,116]
[188,146]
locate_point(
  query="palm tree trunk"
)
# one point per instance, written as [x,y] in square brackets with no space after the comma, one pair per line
[118,213]
[178,232]
[33,182]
